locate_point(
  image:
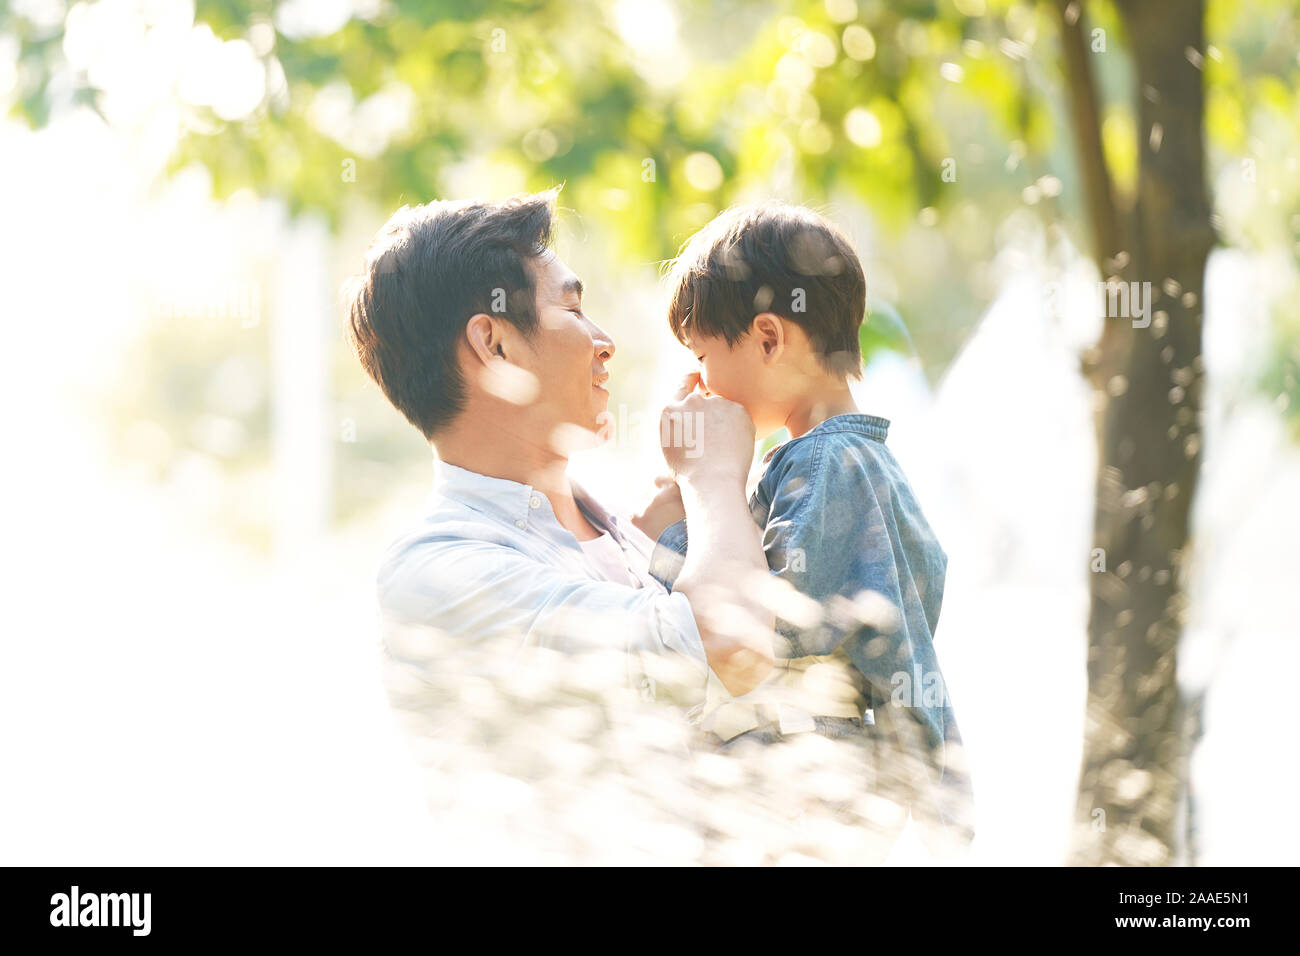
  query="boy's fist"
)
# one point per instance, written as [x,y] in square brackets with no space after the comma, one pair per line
[705,435]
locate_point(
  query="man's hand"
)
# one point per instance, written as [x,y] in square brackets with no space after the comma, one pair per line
[663,509]
[708,442]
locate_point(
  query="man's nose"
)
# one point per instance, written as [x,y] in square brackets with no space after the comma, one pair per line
[604,343]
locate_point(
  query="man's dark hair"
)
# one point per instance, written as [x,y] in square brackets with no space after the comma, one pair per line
[427,272]
[772,257]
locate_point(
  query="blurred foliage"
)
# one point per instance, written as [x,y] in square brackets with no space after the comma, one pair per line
[1281,376]
[193,410]
[530,753]
[821,102]
[938,118]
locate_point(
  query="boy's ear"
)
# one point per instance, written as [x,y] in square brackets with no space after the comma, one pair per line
[768,332]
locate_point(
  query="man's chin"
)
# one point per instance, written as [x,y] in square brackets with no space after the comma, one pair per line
[602,419]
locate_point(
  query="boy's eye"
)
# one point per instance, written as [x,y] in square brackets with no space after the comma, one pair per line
[699,358]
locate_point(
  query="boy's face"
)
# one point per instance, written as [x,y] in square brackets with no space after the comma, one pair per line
[739,374]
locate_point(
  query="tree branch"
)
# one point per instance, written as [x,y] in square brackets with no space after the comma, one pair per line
[1085,121]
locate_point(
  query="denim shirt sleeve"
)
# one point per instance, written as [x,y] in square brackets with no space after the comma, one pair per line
[669,554]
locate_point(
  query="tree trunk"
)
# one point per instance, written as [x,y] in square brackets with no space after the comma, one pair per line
[1149,386]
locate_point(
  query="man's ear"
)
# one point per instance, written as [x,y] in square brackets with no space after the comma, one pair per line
[483,336]
[484,361]
[768,332]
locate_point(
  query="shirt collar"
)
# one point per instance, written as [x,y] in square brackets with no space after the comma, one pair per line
[496,497]
[525,509]
[515,503]
[873,426]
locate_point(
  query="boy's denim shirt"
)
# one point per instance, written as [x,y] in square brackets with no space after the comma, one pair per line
[840,519]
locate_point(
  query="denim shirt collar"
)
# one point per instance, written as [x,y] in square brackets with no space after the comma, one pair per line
[873,426]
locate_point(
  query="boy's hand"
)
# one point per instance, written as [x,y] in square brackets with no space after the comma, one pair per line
[663,509]
[705,436]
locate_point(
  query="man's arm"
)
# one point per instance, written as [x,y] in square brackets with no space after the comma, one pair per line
[725,564]
[481,590]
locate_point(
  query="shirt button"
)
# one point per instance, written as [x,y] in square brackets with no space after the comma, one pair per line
[521,524]
[534,502]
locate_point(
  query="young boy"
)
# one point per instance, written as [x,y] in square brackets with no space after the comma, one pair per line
[770,298]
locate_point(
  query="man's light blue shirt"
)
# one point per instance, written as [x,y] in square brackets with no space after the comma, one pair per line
[489,559]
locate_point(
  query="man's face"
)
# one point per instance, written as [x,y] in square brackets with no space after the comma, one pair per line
[567,355]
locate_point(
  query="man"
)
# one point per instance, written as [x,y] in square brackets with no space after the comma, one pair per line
[474,330]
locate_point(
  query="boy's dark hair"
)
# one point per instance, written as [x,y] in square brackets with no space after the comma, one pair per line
[779,258]
[429,269]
